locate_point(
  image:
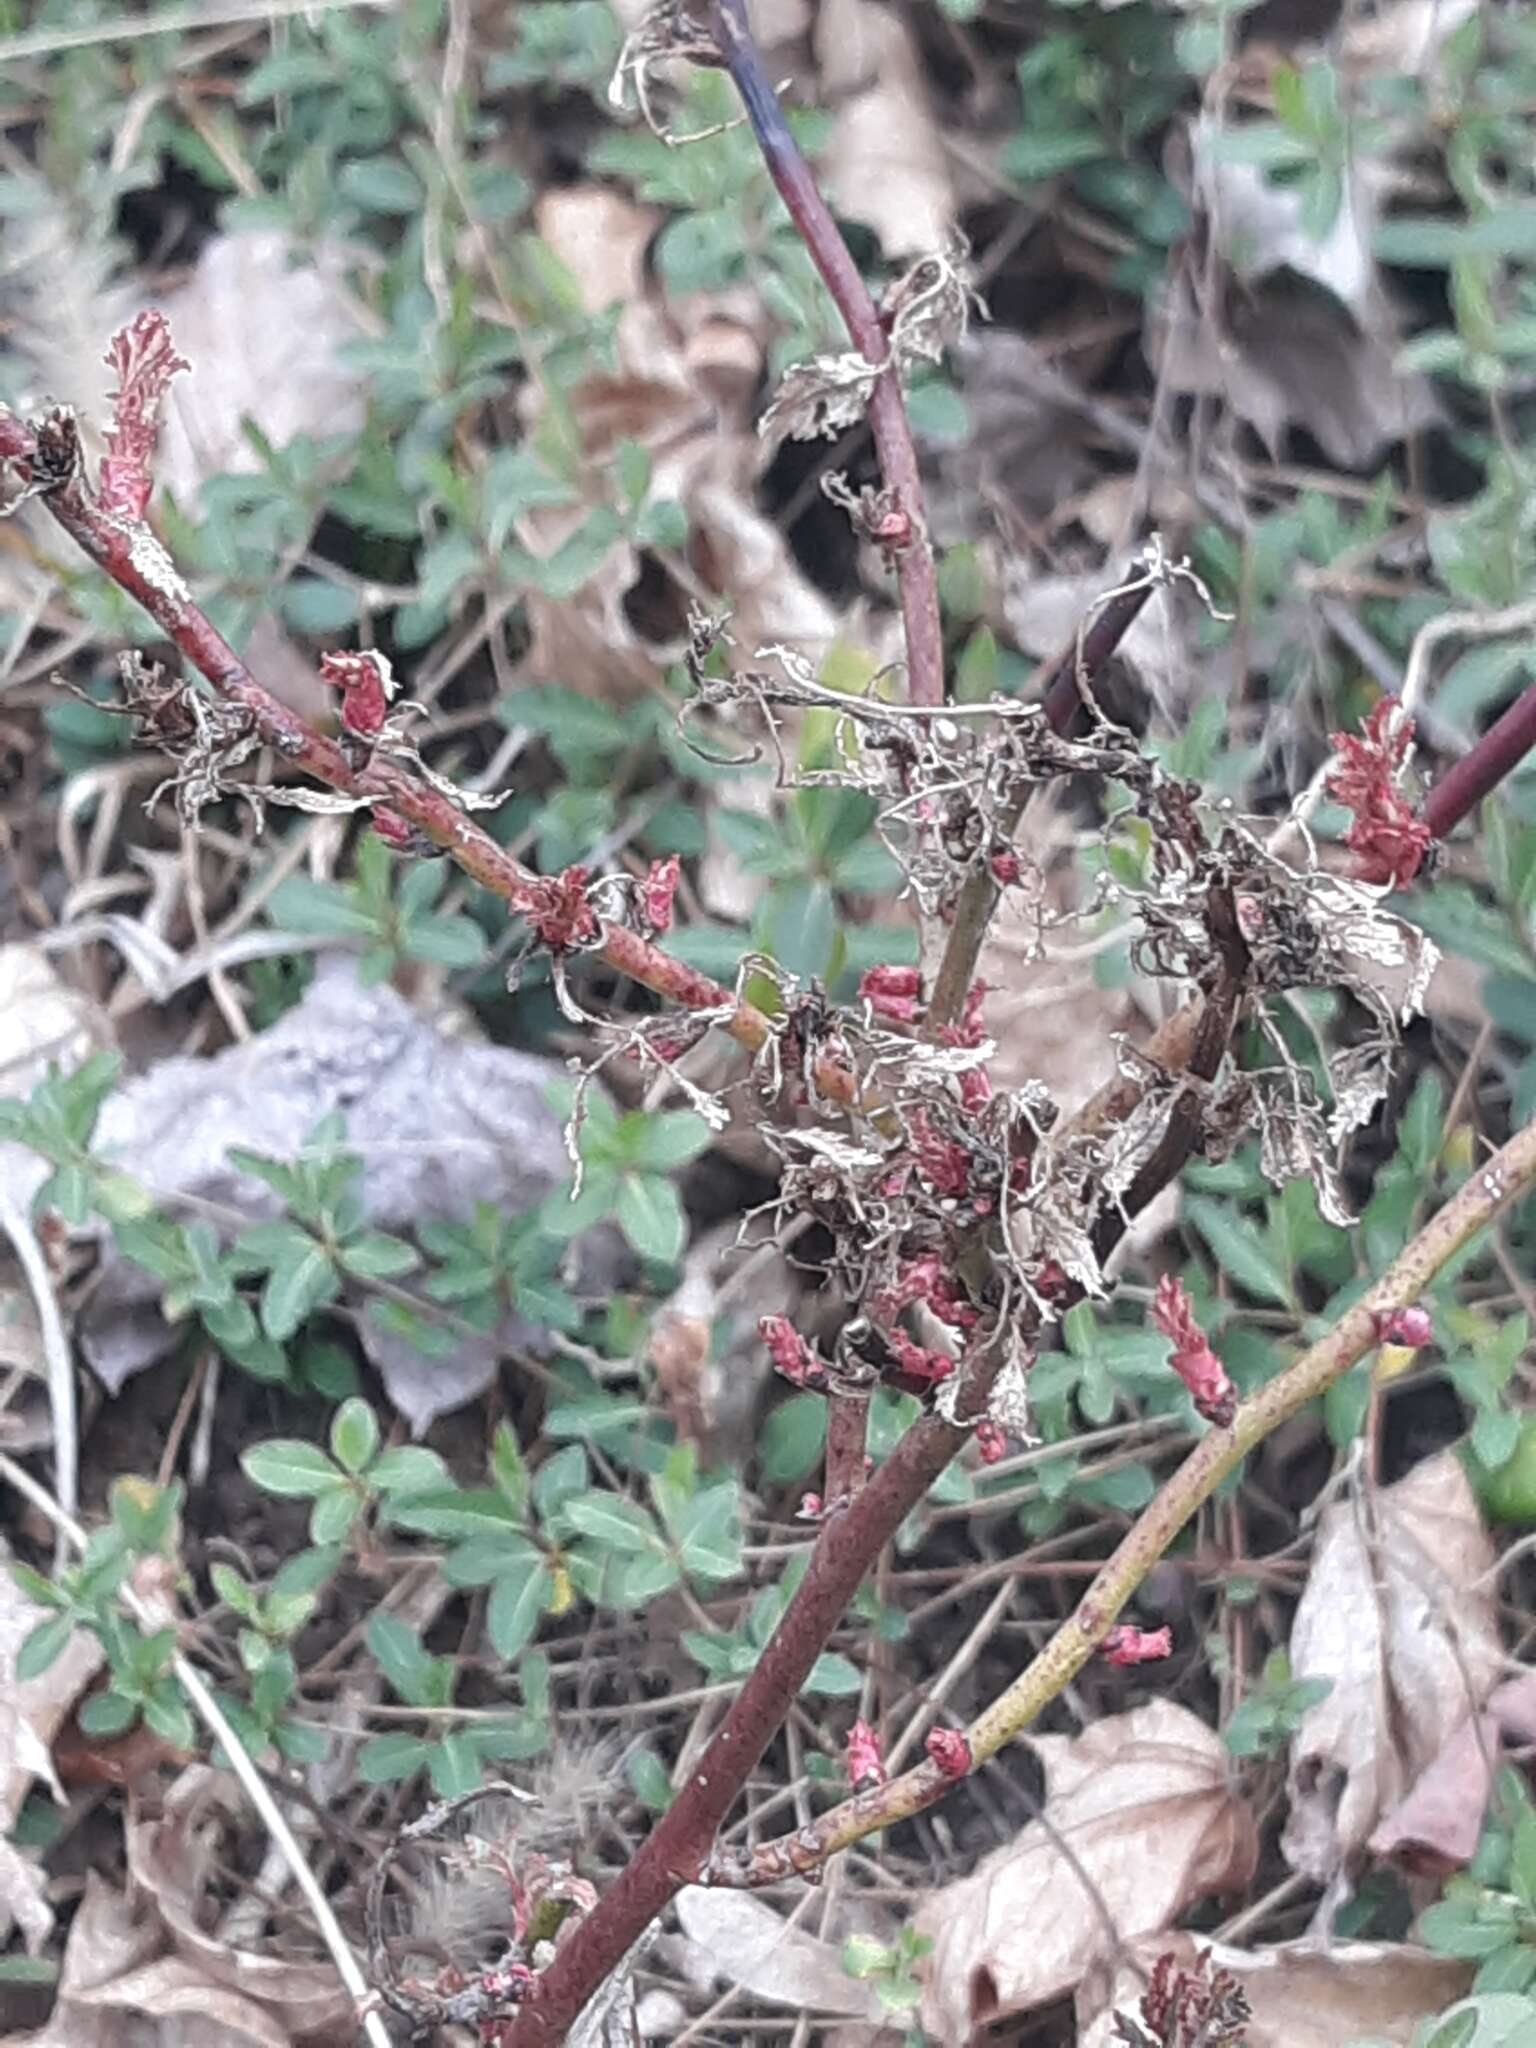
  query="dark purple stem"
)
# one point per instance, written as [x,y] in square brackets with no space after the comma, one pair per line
[1500,750]
[888,420]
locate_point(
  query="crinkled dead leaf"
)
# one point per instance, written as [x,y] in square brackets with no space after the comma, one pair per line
[1435,1828]
[172,1861]
[1399,1616]
[740,1939]
[1302,1995]
[1144,1821]
[118,1987]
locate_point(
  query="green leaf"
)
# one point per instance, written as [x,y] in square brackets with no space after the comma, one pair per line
[669,1139]
[408,1469]
[1522,1860]
[108,1713]
[507,1468]
[834,1675]
[457,1513]
[399,1655]
[332,1516]
[454,1766]
[615,1523]
[286,1466]
[375,1255]
[798,926]
[381,184]
[43,1647]
[1239,1249]
[444,941]
[293,1291]
[516,1602]
[792,1439]
[317,607]
[648,1775]
[354,1435]
[171,1719]
[390,1757]
[559,1477]
[650,1215]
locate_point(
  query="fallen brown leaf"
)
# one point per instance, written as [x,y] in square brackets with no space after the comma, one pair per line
[1302,1996]
[1434,1830]
[885,163]
[1398,1614]
[1140,1822]
[740,1939]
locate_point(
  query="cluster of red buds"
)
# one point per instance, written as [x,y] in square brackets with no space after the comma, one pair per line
[656,894]
[1127,1645]
[950,1750]
[144,361]
[991,1441]
[792,1357]
[1173,1313]
[1409,1327]
[1389,839]
[865,1764]
[893,993]
[565,918]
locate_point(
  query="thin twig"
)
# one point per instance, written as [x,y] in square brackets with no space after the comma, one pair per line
[212,1717]
[1507,1175]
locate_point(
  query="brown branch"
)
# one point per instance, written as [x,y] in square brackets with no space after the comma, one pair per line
[1509,1174]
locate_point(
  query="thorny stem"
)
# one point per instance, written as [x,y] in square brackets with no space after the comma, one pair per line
[786,165]
[1507,1175]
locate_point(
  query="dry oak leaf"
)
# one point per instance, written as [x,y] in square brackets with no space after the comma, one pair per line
[1398,1614]
[1302,1995]
[1143,1822]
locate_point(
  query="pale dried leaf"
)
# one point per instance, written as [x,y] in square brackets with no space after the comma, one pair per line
[737,1938]
[284,371]
[197,2014]
[1144,1804]
[30,1715]
[1302,1995]
[1399,1615]
[684,388]
[885,163]
[171,1861]
[819,398]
